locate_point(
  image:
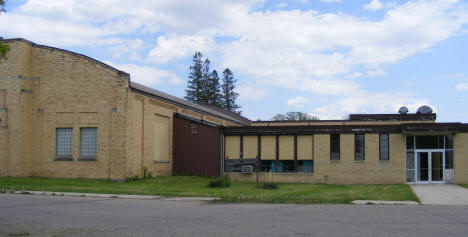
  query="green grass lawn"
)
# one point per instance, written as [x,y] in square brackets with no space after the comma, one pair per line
[464,185]
[237,192]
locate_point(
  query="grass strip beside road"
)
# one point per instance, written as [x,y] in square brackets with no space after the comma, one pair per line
[186,186]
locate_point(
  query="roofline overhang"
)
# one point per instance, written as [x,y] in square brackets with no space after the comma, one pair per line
[132,89]
[419,128]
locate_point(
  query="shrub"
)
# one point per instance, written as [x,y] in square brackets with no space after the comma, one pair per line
[270,186]
[219,182]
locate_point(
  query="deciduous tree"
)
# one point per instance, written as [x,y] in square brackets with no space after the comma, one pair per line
[294,116]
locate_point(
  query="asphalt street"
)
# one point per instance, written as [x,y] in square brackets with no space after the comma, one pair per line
[86,216]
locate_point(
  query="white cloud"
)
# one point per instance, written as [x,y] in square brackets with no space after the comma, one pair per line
[129,49]
[462,87]
[149,76]
[281,5]
[179,47]
[376,72]
[374,5]
[299,49]
[365,102]
[297,102]
[305,50]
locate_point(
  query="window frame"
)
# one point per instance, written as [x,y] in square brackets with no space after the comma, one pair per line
[380,147]
[338,145]
[88,158]
[63,157]
[363,147]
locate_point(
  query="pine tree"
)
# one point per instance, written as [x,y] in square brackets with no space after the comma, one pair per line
[213,87]
[205,89]
[228,95]
[194,87]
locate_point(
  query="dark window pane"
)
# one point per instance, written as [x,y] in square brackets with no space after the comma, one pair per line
[286,166]
[410,160]
[305,166]
[409,142]
[449,159]
[359,146]
[429,142]
[449,142]
[267,166]
[334,146]
[383,147]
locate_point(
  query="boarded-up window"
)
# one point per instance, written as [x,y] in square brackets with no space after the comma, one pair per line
[161,138]
[232,147]
[305,147]
[268,148]
[250,147]
[286,147]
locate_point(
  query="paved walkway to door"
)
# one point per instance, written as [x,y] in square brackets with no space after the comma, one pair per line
[441,194]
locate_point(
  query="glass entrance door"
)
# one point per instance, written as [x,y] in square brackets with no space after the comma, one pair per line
[423,166]
[430,166]
[437,166]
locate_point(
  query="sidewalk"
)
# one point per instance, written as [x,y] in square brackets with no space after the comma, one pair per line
[441,194]
[120,196]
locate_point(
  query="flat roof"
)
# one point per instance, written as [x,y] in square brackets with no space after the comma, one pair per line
[416,128]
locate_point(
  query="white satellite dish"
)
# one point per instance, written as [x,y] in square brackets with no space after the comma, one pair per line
[424,110]
[403,110]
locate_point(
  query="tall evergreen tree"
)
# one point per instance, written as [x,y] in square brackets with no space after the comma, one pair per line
[205,90]
[195,86]
[228,95]
[214,90]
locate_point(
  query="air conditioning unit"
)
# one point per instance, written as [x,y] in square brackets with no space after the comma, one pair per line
[247,169]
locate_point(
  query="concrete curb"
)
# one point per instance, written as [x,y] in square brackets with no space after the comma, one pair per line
[120,196]
[380,202]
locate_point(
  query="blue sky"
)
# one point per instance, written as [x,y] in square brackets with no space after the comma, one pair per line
[328,58]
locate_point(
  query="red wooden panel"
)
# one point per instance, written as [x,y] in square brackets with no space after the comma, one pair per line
[195,148]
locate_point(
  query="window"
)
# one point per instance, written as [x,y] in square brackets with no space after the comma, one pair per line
[359,147]
[286,166]
[88,143]
[334,146]
[449,159]
[267,166]
[64,143]
[429,142]
[383,147]
[305,166]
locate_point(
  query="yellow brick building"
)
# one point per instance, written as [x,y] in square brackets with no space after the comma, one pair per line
[63,114]
[67,115]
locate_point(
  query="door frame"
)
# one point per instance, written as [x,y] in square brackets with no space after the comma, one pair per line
[429,152]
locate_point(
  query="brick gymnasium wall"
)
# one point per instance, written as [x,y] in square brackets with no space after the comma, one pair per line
[43,88]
